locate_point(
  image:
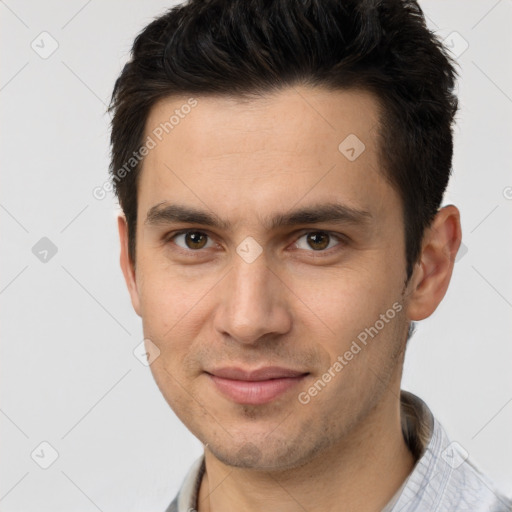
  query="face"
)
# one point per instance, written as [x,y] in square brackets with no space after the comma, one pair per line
[270,271]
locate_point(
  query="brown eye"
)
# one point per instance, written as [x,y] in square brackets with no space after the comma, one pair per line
[317,240]
[195,240]
[191,240]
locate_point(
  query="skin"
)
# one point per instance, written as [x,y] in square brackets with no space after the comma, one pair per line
[295,306]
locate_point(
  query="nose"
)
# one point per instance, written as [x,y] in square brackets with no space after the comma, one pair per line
[252,303]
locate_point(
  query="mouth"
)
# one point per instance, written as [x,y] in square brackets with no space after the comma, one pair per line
[255,387]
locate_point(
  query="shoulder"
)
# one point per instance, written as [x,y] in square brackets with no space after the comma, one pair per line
[444,479]
[467,488]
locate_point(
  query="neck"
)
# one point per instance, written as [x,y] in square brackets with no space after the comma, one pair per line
[361,472]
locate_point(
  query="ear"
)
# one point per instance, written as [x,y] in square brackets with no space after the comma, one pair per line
[126,265]
[433,272]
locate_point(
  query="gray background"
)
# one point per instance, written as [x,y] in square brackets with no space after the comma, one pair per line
[69,376]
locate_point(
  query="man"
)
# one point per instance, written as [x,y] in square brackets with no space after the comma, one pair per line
[280,166]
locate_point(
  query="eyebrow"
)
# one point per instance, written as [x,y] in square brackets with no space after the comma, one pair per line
[164,213]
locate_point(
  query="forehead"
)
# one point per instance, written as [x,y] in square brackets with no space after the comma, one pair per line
[316,115]
[272,152]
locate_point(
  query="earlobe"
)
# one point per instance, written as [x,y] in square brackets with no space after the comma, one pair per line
[433,273]
[126,265]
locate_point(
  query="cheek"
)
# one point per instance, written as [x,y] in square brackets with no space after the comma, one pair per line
[161,309]
[160,287]
[173,307]
[350,305]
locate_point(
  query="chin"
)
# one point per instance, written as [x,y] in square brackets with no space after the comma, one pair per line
[268,454]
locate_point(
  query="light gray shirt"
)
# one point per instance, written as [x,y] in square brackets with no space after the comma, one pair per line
[442,480]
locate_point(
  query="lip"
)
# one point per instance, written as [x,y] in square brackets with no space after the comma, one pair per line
[254,387]
[259,374]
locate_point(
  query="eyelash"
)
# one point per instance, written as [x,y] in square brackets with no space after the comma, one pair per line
[342,240]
